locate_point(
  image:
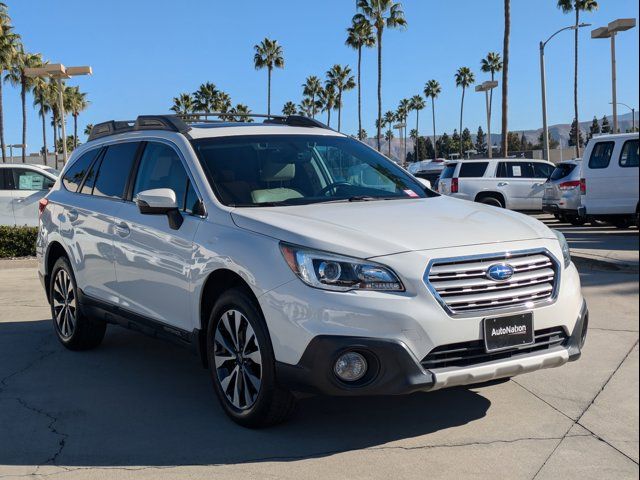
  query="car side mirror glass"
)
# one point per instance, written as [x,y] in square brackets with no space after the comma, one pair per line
[160,201]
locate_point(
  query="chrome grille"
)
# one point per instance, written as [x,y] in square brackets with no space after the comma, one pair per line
[462,286]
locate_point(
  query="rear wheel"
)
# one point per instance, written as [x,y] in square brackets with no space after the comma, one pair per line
[621,223]
[73,328]
[577,221]
[242,363]
[493,201]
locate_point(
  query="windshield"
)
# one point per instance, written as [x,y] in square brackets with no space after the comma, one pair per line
[274,170]
[448,171]
[562,170]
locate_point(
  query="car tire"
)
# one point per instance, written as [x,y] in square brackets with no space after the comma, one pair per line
[242,363]
[577,221]
[493,201]
[621,223]
[74,329]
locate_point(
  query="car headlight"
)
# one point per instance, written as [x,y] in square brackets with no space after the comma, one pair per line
[339,273]
[564,245]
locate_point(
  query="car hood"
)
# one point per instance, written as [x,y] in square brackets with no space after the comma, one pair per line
[384,227]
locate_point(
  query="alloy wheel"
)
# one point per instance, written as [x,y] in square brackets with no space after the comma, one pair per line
[238,361]
[64,304]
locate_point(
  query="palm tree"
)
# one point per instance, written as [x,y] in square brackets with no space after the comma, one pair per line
[4,16]
[16,77]
[328,100]
[431,90]
[9,45]
[183,104]
[360,34]
[341,79]
[401,115]
[577,6]
[388,120]
[41,101]
[312,88]
[289,108]
[78,103]
[417,103]
[88,128]
[505,79]
[222,102]
[306,107]
[492,64]
[204,98]
[380,14]
[239,113]
[362,134]
[464,78]
[268,55]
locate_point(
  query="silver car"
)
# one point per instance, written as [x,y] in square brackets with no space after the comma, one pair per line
[562,192]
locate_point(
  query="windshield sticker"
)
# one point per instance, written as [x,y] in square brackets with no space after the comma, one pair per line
[30,182]
[411,193]
[517,170]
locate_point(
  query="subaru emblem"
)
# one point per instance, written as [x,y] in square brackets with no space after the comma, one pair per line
[500,272]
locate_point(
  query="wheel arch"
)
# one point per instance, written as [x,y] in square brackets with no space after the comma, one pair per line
[55,250]
[491,194]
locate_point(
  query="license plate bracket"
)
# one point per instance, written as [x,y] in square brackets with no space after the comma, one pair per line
[508,332]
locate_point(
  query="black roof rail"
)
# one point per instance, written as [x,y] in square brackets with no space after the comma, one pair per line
[180,123]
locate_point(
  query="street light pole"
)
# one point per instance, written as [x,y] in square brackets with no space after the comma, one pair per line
[486,87]
[610,31]
[633,115]
[543,85]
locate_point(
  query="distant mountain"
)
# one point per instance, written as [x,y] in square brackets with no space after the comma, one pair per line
[558,132]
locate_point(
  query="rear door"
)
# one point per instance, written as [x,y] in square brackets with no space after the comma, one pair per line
[542,172]
[154,261]
[515,181]
[602,176]
[627,166]
[6,198]
[29,186]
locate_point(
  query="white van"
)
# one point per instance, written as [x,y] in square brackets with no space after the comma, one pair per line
[609,184]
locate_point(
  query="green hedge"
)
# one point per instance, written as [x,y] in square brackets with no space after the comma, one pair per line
[17,241]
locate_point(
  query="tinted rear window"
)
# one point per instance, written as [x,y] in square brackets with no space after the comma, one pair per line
[629,154]
[601,155]
[562,171]
[115,168]
[76,172]
[448,171]
[474,169]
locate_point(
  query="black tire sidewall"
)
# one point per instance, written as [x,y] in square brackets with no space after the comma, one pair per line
[237,299]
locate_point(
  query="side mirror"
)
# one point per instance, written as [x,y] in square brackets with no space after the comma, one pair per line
[160,201]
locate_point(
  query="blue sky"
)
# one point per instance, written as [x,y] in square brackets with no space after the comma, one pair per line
[145,52]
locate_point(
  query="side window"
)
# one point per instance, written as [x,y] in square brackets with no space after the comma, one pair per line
[473,169]
[601,155]
[90,179]
[191,200]
[629,154]
[542,170]
[76,172]
[24,179]
[3,184]
[160,167]
[515,170]
[114,170]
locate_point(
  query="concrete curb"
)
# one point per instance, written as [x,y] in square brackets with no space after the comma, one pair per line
[596,262]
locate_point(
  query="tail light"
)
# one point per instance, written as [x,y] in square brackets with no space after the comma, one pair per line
[454,185]
[42,204]
[583,186]
[570,185]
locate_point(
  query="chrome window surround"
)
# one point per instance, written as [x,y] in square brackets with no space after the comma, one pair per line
[499,257]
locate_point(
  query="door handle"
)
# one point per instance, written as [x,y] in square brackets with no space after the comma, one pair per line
[72,214]
[503,184]
[122,229]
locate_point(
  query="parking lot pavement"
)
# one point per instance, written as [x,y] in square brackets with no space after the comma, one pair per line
[141,408]
[601,242]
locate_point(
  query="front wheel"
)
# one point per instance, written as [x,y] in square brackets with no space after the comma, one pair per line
[242,363]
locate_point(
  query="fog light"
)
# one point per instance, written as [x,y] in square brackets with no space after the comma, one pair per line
[350,366]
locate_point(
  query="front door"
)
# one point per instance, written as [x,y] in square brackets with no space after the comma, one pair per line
[153,261]
[6,198]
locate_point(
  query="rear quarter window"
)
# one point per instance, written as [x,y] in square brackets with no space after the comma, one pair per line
[562,171]
[448,171]
[601,155]
[473,169]
[76,172]
[629,154]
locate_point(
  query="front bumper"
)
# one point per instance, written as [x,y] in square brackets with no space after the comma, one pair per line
[393,370]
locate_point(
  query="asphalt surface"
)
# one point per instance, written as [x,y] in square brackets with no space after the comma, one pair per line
[141,408]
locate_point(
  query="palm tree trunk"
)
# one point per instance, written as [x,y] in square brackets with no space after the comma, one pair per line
[390,146]
[461,111]
[575,81]
[75,131]
[505,77]
[490,107]
[404,160]
[2,145]
[55,140]
[359,95]
[44,134]
[339,109]
[415,147]
[433,113]
[328,117]
[269,91]
[23,98]
[379,86]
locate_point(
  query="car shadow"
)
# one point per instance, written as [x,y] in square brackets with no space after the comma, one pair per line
[139,401]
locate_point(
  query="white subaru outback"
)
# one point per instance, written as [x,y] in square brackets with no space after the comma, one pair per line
[298,260]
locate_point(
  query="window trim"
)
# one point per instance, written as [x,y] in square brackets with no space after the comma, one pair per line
[622,150]
[84,177]
[611,142]
[136,165]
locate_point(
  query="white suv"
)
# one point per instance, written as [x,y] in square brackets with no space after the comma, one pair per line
[296,259]
[22,186]
[517,184]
